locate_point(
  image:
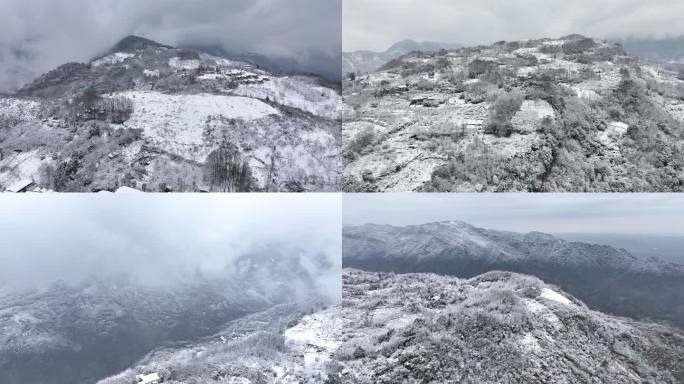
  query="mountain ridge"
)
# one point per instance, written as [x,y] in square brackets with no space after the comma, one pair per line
[151,117]
[499,326]
[609,279]
[362,61]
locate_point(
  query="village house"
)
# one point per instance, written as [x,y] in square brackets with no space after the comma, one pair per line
[152,378]
[21,186]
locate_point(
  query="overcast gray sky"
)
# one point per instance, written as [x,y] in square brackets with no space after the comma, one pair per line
[376,24]
[68,237]
[38,35]
[550,213]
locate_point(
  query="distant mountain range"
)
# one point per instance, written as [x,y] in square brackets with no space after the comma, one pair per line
[312,62]
[669,49]
[669,248]
[609,279]
[368,61]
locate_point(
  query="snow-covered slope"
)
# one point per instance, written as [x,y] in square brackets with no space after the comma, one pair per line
[537,116]
[497,327]
[609,279]
[78,334]
[276,346]
[158,118]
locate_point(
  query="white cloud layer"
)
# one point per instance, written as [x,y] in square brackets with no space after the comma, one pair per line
[45,238]
[38,35]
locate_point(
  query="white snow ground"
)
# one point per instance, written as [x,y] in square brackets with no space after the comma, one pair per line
[176,123]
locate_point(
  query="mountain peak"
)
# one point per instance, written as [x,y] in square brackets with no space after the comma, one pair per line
[133,43]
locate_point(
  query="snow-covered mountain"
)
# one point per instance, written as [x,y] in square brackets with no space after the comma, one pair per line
[81,332]
[286,344]
[573,114]
[494,328]
[368,61]
[157,118]
[609,279]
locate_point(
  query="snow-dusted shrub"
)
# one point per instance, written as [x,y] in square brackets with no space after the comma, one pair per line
[479,67]
[501,112]
[359,143]
[578,46]
[425,85]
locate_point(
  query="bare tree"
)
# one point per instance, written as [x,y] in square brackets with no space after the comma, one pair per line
[226,171]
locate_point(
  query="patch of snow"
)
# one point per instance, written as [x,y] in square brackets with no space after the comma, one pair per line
[20,168]
[583,93]
[617,128]
[237,380]
[178,63]
[553,42]
[126,190]
[540,309]
[529,343]
[19,109]
[554,296]
[148,379]
[151,73]
[526,71]
[316,337]
[298,93]
[118,57]
[211,76]
[392,318]
[176,123]
[531,113]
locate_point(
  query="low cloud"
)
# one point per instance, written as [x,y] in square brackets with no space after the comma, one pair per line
[161,237]
[38,35]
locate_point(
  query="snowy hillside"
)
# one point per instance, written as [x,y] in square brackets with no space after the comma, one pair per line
[570,114]
[78,334]
[156,118]
[497,327]
[606,278]
[276,346]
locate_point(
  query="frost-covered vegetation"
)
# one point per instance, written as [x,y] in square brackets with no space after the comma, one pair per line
[286,344]
[537,115]
[153,117]
[494,328]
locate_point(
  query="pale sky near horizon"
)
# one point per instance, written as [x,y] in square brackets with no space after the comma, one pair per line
[377,24]
[617,213]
